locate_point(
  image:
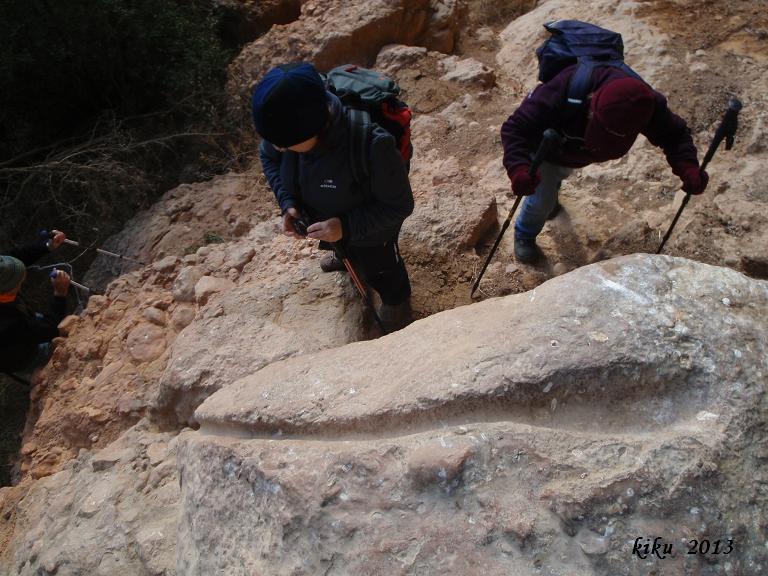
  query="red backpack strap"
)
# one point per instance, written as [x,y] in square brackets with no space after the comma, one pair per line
[402,114]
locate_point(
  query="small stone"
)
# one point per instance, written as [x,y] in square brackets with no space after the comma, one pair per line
[96,304]
[155,316]
[146,342]
[467,71]
[207,286]
[182,317]
[165,265]
[241,257]
[559,269]
[157,453]
[68,324]
[163,304]
[105,460]
[183,288]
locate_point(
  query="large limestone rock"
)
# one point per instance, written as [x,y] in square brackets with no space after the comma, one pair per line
[110,513]
[542,431]
[164,337]
[645,46]
[184,219]
[283,309]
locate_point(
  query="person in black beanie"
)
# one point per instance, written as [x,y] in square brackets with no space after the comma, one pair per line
[305,155]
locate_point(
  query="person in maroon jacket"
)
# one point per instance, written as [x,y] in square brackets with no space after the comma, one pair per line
[618,109]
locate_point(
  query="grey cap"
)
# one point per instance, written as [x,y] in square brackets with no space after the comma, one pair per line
[12,272]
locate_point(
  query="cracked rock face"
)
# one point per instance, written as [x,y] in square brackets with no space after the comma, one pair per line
[330,33]
[521,435]
[111,512]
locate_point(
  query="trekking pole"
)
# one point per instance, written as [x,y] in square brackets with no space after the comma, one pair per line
[53,273]
[341,254]
[726,130]
[18,379]
[47,234]
[549,142]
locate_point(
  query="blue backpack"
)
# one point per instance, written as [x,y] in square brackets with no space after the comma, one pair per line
[575,42]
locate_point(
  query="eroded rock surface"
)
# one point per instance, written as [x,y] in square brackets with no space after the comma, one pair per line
[335,32]
[279,305]
[546,429]
[111,512]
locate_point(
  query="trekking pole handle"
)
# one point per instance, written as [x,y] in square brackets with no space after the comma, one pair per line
[48,235]
[549,142]
[53,273]
[726,130]
[731,121]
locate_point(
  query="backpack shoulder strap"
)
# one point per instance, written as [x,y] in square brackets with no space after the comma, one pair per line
[359,146]
[580,83]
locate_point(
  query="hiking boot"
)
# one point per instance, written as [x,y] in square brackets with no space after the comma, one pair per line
[395,316]
[526,251]
[555,211]
[331,263]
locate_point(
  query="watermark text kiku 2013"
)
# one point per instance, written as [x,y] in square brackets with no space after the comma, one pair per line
[659,548]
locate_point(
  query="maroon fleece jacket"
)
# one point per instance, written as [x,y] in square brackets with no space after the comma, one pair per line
[521,134]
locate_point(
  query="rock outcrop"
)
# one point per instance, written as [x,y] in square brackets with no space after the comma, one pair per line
[335,32]
[550,428]
[113,511]
[545,473]
[245,20]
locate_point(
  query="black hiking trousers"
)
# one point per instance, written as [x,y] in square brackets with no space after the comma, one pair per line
[382,268]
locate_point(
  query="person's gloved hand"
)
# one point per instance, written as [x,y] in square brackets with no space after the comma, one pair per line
[329,230]
[289,218]
[522,184]
[60,283]
[57,239]
[694,180]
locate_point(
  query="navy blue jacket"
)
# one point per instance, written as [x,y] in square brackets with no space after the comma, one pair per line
[20,329]
[371,212]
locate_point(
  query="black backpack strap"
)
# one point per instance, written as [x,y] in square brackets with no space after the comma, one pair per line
[360,138]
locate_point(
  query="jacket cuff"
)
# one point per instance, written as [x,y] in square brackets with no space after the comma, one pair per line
[680,167]
[285,205]
[517,169]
